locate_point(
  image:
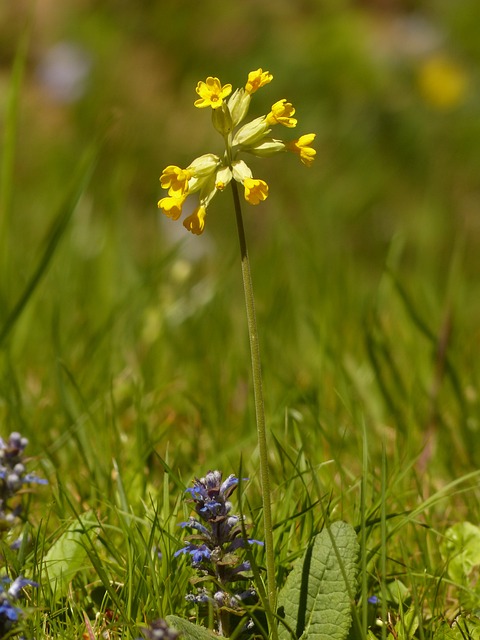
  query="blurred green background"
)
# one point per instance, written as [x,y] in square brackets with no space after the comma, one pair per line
[365,265]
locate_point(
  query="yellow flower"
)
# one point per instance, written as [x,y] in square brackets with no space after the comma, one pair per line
[196,222]
[442,82]
[175,179]
[209,174]
[257,79]
[172,205]
[281,113]
[255,190]
[211,93]
[303,148]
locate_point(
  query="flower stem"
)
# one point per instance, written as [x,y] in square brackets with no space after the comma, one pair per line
[259,413]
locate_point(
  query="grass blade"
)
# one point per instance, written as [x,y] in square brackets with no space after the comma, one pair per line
[53,238]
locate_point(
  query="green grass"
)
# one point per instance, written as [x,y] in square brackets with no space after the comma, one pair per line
[123,349]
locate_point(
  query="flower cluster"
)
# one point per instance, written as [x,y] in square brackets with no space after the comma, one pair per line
[13,477]
[213,548]
[209,173]
[10,613]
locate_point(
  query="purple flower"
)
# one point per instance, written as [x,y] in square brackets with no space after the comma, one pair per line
[199,553]
[214,546]
[194,524]
[18,584]
[239,543]
[32,478]
[9,612]
[13,476]
[210,495]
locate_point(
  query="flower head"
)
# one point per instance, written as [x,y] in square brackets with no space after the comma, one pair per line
[303,148]
[217,540]
[175,180]
[210,173]
[281,113]
[255,190]
[257,79]
[10,613]
[442,82]
[196,221]
[13,477]
[172,206]
[212,93]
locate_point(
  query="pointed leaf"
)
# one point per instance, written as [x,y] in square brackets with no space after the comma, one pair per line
[189,630]
[316,599]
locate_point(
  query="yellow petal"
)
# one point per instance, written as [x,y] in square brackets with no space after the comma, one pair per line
[255,190]
[257,79]
[171,206]
[211,93]
[195,223]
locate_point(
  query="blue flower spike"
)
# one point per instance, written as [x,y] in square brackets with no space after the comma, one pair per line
[213,547]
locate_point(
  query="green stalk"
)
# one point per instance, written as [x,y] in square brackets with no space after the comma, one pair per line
[7,159]
[259,413]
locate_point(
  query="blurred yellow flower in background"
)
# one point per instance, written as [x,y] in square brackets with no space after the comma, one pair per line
[442,82]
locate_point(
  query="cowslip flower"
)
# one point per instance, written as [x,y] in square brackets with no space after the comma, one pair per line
[211,93]
[257,79]
[211,173]
[303,148]
[281,113]
[255,190]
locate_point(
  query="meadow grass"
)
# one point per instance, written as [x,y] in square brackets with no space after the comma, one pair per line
[124,360]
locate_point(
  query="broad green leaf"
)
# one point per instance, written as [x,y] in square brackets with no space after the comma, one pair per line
[315,602]
[189,630]
[67,556]
[461,549]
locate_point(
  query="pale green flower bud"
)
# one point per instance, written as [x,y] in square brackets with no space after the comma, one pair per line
[251,133]
[268,147]
[223,177]
[202,169]
[222,119]
[241,171]
[204,165]
[238,105]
